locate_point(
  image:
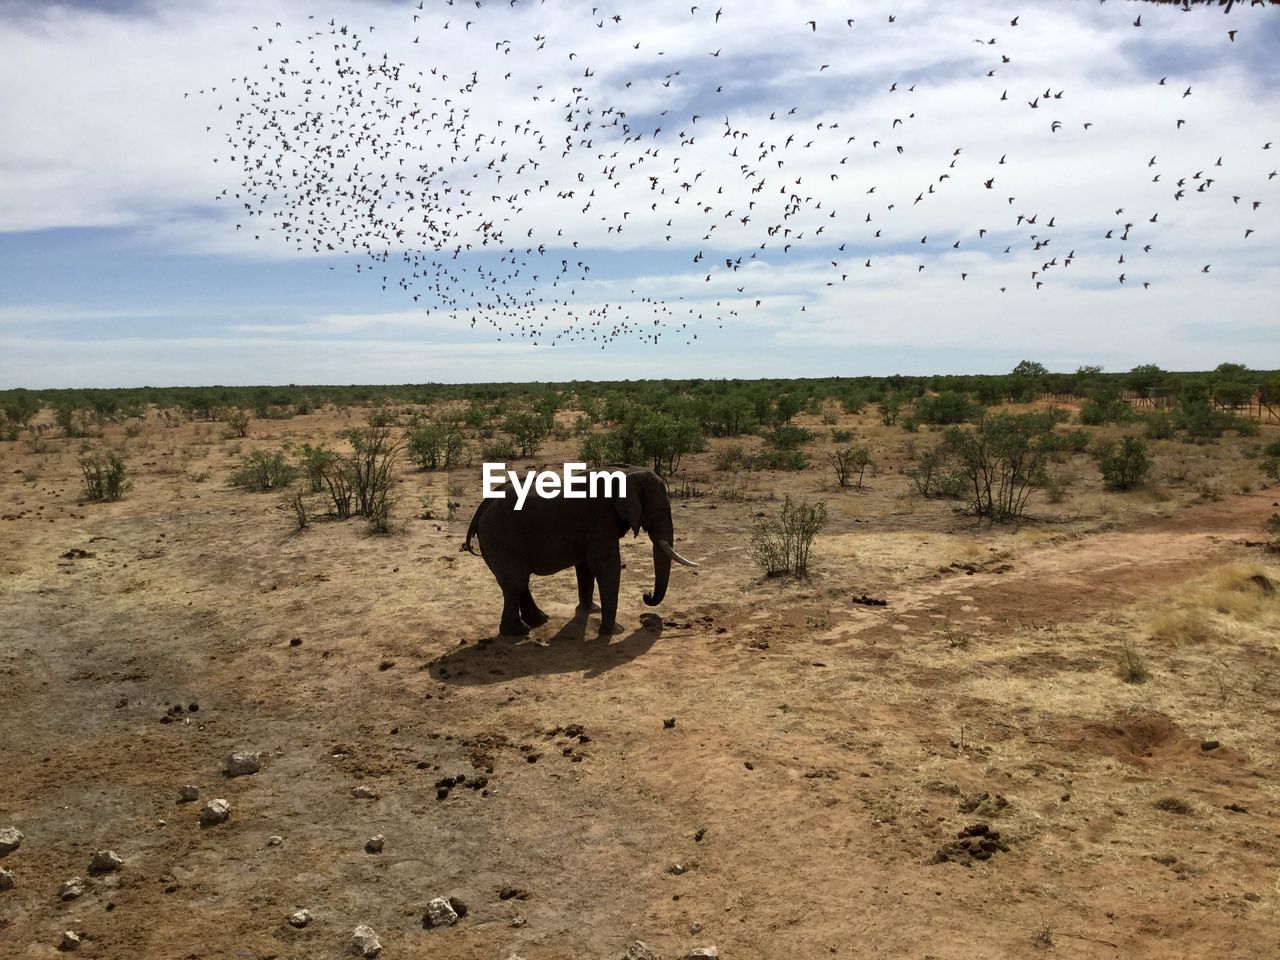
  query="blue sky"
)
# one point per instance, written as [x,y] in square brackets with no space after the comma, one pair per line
[120,266]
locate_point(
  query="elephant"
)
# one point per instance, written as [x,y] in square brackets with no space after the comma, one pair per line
[551,534]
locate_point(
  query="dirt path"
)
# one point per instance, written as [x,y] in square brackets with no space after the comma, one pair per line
[1074,579]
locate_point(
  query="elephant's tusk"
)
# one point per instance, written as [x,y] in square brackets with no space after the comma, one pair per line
[670,552]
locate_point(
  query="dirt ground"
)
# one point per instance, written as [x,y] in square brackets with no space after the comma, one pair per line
[809,800]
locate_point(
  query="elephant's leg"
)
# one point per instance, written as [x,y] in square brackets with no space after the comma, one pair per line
[529,611]
[586,587]
[512,625]
[608,574]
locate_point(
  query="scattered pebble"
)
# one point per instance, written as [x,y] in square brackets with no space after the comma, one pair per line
[70,941]
[365,942]
[214,812]
[71,889]
[701,952]
[1208,745]
[10,840]
[105,861]
[363,793]
[374,844]
[695,927]
[667,725]
[518,920]
[188,793]
[300,919]
[7,879]
[676,869]
[274,840]
[440,913]
[243,764]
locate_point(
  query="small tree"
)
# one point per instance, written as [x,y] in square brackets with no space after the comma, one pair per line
[849,461]
[528,431]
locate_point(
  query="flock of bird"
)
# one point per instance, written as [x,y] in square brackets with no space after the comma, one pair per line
[479,193]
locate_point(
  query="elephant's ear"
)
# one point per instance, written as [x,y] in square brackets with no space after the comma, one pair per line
[631,507]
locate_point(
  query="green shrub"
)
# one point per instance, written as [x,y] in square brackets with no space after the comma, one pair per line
[947,407]
[664,440]
[528,430]
[1098,411]
[104,475]
[1001,461]
[786,436]
[315,461]
[782,460]
[730,457]
[437,446]
[1126,467]
[499,450]
[237,422]
[370,469]
[841,436]
[20,407]
[1158,426]
[262,470]
[935,476]
[781,545]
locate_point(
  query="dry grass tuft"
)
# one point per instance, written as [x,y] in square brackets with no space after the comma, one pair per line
[1181,626]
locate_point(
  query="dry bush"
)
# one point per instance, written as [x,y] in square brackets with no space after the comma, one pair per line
[1240,590]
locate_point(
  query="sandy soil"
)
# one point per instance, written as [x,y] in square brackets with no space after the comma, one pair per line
[806,802]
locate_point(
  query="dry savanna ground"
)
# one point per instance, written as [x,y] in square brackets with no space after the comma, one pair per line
[809,800]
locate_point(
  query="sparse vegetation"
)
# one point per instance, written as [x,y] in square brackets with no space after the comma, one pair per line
[850,464]
[1127,466]
[263,470]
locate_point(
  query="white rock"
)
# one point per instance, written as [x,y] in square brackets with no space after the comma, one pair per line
[71,889]
[274,841]
[300,919]
[70,940]
[243,764]
[10,840]
[374,844]
[439,914]
[518,920]
[214,812]
[363,793]
[365,942]
[188,793]
[638,950]
[701,953]
[105,861]
[695,927]
[7,880]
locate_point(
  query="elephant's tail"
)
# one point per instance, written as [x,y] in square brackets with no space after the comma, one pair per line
[474,528]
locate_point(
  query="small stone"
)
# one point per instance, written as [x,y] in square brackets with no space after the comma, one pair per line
[1208,745]
[188,793]
[440,913]
[695,927]
[214,812]
[7,879]
[701,952]
[70,941]
[676,869]
[162,823]
[667,724]
[459,906]
[1252,897]
[518,920]
[105,861]
[274,841]
[300,919]
[242,764]
[10,840]
[71,889]
[363,793]
[374,844]
[638,950]
[364,942]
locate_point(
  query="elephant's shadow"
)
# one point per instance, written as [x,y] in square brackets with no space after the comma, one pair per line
[501,658]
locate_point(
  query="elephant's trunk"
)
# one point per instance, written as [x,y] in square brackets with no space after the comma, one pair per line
[661,574]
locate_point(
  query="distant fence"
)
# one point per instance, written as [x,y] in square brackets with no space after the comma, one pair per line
[1262,406]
